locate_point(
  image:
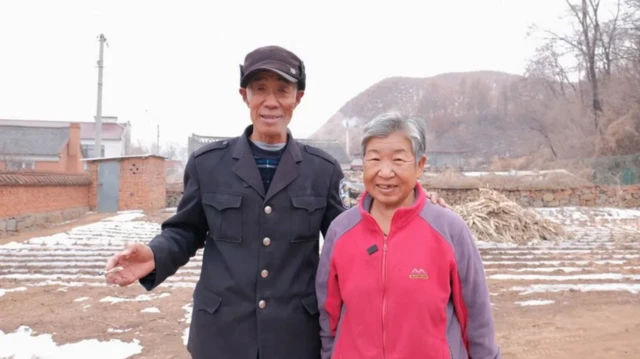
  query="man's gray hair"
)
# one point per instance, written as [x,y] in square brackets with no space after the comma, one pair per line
[388,123]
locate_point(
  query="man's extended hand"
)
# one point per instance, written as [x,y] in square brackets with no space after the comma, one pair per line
[128,266]
[433,196]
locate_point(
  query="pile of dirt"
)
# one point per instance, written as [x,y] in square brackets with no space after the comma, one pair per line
[495,218]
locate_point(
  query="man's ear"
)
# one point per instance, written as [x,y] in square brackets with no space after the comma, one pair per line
[243,92]
[299,95]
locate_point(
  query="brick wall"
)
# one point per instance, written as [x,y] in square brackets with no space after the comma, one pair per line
[601,196]
[142,182]
[33,199]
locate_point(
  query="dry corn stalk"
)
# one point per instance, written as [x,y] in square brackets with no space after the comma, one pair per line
[495,218]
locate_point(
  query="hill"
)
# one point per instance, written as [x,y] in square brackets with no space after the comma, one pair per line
[465,112]
[500,119]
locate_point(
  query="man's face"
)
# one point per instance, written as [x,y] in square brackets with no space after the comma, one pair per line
[271,100]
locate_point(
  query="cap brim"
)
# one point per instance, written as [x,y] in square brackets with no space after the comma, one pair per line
[267,67]
[283,74]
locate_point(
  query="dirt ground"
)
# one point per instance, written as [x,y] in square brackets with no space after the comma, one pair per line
[591,280]
[50,230]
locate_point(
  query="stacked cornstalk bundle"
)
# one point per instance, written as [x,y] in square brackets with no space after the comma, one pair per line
[495,218]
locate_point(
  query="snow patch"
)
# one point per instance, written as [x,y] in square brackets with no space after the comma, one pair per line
[125,216]
[22,344]
[187,318]
[140,298]
[595,276]
[535,302]
[18,289]
[633,288]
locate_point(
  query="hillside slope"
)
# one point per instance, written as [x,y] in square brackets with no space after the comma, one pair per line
[465,112]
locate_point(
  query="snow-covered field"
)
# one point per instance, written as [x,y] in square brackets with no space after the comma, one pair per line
[604,257]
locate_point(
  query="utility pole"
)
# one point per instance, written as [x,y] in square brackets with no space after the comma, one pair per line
[346,141]
[158,139]
[348,123]
[98,143]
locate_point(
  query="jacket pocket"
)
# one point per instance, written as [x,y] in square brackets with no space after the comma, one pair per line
[310,303]
[206,301]
[306,217]
[224,215]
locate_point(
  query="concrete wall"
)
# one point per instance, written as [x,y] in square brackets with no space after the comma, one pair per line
[174,194]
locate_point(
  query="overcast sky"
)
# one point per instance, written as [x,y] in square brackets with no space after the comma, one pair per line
[176,63]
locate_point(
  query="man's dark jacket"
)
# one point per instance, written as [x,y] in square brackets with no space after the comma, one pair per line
[256,291]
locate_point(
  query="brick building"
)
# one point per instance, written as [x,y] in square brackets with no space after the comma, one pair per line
[116,136]
[127,183]
[43,149]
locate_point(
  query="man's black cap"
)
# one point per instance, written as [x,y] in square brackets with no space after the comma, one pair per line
[273,58]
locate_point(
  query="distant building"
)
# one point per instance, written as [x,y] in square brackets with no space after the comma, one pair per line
[334,148]
[445,159]
[356,164]
[116,136]
[41,149]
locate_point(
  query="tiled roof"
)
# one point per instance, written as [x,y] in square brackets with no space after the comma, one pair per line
[40,179]
[110,130]
[32,141]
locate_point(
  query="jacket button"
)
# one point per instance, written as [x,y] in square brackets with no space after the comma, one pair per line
[267,209]
[262,304]
[264,273]
[266,241]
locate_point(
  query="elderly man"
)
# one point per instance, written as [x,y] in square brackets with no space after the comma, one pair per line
[256,204]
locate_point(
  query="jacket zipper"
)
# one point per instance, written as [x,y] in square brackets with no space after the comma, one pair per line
[384,292]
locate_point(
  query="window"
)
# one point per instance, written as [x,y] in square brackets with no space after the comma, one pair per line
[88,151]
[20,165]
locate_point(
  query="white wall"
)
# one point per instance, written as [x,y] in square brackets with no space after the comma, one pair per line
[111,148]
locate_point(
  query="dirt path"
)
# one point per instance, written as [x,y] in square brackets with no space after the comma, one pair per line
[578,299]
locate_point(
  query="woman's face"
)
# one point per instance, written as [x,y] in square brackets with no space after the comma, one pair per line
[390,170]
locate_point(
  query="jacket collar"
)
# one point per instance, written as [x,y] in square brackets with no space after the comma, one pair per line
[401,216]
[242,146]
[246,168]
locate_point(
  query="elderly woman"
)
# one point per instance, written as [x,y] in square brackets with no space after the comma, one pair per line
[400,277]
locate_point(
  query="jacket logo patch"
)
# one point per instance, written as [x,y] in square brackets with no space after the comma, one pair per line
[344,194]
[418,273]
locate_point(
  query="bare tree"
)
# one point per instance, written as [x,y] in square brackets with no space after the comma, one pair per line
[173,150]
[594,44]
[530,100]
[139,148]
[548,69]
